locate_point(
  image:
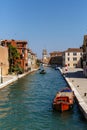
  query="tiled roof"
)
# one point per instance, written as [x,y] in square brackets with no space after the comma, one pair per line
[74,50]
[19,41]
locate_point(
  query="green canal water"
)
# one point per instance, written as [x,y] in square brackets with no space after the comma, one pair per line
[27,105]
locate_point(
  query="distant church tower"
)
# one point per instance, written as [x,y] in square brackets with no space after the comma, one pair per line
[44,56]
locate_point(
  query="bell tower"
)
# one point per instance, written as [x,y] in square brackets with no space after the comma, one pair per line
[44,56]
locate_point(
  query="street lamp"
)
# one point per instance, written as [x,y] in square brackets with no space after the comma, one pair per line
[1,73]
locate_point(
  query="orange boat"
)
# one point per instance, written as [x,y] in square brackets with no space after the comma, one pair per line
[64,100]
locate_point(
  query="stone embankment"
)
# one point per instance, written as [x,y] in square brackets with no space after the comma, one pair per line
[10,78]
[78,83]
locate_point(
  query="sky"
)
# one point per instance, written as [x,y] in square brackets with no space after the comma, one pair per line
[54,25]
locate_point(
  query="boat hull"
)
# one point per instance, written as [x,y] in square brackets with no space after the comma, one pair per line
[62,106]
[64,100]
[43,72]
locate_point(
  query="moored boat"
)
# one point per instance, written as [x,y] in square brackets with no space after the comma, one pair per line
[63,100]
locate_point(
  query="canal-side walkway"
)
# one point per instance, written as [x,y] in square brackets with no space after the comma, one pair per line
[78,83]
[8,79]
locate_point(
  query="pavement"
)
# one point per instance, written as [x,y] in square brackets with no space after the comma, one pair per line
[78,83]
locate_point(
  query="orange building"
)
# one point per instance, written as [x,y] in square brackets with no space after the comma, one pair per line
[22,49]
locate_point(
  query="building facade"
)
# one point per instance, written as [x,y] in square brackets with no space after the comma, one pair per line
[4,63]
[72,57]
[84,46]
[32,58]
[22,49]
[55,58]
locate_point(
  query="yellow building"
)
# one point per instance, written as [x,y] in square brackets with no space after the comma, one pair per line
[4,64]
[72,57]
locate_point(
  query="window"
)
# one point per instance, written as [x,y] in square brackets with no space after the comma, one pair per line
[18,44]
[74,53]
[68,54]
[81,54]
[23,51]
[68,59]
[74,59]
[22,45]
[75,65]
[8,43]
[21,57]
[26,64]
[3,43]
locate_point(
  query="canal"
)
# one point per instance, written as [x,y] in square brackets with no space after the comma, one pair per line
[27,105]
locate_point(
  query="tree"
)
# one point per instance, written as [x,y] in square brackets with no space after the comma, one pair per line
[13,56]
[38,62]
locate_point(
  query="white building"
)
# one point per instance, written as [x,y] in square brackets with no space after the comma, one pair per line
[31,60]
[72,57]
